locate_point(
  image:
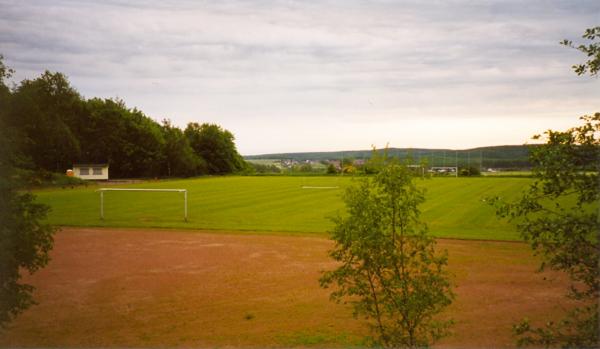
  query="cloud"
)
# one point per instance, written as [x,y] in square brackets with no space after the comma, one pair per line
[270,63]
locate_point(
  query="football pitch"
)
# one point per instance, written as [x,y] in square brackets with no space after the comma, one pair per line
[454,207]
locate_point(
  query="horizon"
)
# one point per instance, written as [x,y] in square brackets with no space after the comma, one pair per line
[398,148]
[309,77]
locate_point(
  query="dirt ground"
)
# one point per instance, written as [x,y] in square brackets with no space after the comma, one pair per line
[149,288]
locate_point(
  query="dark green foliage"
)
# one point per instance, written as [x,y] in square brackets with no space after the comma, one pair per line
[389,270]
[331,169]
[469,171]
[592,51]
[24,243]
[42,178]
[262,168]
[24,240]
[40,111]
[125,138]
[559,217]
[306,167]
[215,145]
[55,127]
[180,158]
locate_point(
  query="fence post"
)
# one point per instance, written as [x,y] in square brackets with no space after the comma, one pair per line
[102,205]
[185,205]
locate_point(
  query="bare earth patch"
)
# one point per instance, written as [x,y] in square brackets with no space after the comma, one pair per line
[142,288]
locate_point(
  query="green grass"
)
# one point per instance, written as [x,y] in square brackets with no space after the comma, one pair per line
[454,206]
[508,174]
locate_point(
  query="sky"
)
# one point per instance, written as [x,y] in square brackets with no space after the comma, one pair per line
[294,76]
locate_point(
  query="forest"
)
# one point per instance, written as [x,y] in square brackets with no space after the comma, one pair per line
[50,126]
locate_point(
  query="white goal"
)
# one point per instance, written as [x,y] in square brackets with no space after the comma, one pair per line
[184,191]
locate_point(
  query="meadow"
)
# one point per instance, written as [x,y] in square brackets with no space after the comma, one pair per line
[454,207]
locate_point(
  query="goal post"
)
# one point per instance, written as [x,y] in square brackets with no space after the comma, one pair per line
[184,191]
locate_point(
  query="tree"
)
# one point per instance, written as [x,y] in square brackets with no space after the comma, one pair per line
[469,171]
[305,167]
[24,240]
[180,159]
[389,270]
[331,169]
[377,160]
[40,111]
[215,145]
[559,217]
[592,65]
[132,143]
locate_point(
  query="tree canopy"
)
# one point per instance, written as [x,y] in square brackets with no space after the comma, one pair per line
[389,270]
[215,145]
[591,50]
[559,217]
[24,240]
[56,127]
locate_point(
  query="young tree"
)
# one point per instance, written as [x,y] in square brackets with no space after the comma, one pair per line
[592,51]
[559,217]
[389,269]
[24,240]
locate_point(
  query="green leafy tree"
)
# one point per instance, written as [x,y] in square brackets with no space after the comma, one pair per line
[40,111]
[559,217]
[264,168]
[180,159]
[331,169]
[377,160]
[132,143]
[24,240]
[215,145]
[306,168]
[592,51]
[469,171]
[389,270]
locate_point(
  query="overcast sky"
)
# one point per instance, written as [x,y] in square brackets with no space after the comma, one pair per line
[320,75]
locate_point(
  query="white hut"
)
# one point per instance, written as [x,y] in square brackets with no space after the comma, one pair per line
[91,171]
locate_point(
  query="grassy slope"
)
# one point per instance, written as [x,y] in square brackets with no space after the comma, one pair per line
[454,206]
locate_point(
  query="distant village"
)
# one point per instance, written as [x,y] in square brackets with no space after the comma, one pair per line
[307,166]
[352,166]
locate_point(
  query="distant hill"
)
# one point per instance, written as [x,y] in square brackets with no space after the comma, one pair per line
[504,156]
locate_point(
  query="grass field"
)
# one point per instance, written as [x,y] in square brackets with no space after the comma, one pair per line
[454,206]
[508,174]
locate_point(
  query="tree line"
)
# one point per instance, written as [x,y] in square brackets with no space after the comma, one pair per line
[54,127]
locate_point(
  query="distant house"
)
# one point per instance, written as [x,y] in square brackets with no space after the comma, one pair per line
[91,171]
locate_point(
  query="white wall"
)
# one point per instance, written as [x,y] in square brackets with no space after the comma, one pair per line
[77,173]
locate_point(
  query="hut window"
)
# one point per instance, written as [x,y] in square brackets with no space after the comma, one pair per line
[84,171]
[97,170]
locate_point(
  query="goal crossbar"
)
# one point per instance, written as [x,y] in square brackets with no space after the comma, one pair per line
[184,191]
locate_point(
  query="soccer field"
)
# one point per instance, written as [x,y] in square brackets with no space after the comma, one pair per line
[454,206]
